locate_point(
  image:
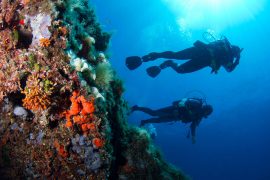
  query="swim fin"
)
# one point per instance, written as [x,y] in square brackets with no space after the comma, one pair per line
[153,71]
[133,62]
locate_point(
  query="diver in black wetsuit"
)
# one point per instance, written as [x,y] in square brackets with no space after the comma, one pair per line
[216,54]
[187,110]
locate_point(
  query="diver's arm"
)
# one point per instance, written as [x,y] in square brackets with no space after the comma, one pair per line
[235,63]
[193,127]
[193,131]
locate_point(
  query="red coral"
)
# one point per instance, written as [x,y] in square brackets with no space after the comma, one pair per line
[21,22]
[60,149]
[75,105]
[99,143]
[80,112]
[88,106]
[91,126]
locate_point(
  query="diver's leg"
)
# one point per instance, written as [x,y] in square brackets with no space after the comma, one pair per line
[166,110]
[145,110]
[187,67]
[157,120]
[162,112]
[188,53]
[192,66]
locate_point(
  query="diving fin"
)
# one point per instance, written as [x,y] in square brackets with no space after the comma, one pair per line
[133,62]
[153,71]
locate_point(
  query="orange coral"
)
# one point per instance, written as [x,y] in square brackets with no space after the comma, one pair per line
[84,127]
[81,119]
[98,142]
[68,124]
[91,126]
[75,106]
[63,30]
[80,112]
[35,97]
[88,106]
[61,149]
[128,168]
[44,42]
[25,2]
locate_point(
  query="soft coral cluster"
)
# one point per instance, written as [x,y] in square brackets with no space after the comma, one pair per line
[60,149]
[81,112]
[45,42]
[36,96]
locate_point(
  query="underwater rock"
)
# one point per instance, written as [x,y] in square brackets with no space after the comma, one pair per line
[20,111]
[75,118]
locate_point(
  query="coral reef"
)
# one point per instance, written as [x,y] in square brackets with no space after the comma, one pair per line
[104,75]
[37,95]
[62,114]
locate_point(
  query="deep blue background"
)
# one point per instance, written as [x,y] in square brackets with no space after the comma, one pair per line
[234,142]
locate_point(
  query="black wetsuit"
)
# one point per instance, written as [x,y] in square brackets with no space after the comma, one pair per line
[216,54]
[189,112]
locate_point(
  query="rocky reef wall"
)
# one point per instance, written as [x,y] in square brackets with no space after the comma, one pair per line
[62,114]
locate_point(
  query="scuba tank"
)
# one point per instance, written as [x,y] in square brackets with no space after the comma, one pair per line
[209,37]
[196,94]
[217,47]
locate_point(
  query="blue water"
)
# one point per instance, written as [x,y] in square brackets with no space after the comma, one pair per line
[234,142]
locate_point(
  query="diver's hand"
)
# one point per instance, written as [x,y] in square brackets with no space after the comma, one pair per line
[237,60]
[150,57]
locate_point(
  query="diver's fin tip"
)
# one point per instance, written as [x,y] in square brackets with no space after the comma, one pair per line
[133,62]
[153,71]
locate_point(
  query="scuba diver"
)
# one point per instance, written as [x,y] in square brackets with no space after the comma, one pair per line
[187,110]
[215,54]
